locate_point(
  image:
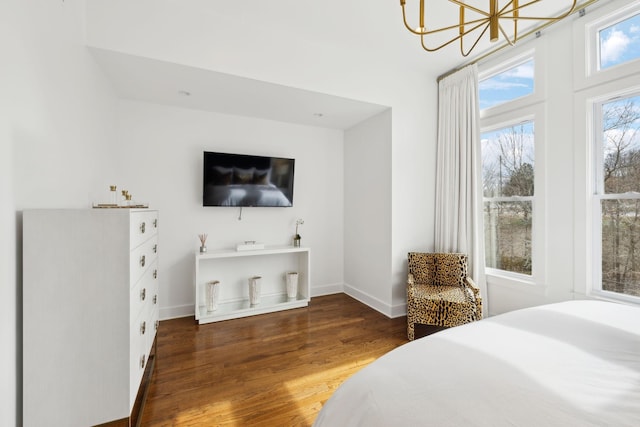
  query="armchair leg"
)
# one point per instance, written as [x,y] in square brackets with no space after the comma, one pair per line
[410,331]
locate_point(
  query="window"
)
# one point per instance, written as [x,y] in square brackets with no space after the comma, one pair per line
[608,44]
[617,198]
[619,43]
[508,85]
[512,125]
[508,159]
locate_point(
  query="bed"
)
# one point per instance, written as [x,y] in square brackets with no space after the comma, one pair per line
[574,363]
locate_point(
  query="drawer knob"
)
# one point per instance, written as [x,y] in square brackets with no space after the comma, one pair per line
[143,227]
[155,249]
[143,294]
[155,223]
[143,359]
[143,328]
[155,299]
[143,261]
[155,274]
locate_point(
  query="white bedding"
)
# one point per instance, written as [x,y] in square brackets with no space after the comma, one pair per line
[574,363]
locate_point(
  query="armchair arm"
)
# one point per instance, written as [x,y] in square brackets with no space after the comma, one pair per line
[410,280]
[472,285]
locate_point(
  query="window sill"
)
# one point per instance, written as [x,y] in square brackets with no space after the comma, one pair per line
[515,282]
[613,297]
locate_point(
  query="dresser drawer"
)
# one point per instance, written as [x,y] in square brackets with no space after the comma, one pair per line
[139,354]
[145,291]
[152,310]
[143,225]
[154,321]
[141,258]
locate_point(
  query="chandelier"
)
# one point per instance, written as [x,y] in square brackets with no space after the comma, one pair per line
[473,23]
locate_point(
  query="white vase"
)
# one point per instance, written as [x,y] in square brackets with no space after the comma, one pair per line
[292,284]
[254,290]
[213,290]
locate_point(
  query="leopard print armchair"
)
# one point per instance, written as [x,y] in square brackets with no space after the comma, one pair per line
[439,292]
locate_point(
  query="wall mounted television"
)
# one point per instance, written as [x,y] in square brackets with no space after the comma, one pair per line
[244,180]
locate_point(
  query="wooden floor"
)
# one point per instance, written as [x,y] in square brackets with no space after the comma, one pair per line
[270,370]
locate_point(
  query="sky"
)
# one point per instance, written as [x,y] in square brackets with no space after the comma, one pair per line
[620,42]
[508,85]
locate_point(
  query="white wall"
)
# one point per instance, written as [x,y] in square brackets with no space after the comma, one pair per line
[367,219]
[413,183]
[160,159]
[56,129]
[65,138]
[213,36]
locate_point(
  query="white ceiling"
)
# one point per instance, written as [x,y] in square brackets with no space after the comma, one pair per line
[373,30]
[167,83]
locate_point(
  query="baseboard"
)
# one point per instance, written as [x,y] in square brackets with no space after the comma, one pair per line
[175,312]
[318,291]
[399,310]
[369,300]
[390,311]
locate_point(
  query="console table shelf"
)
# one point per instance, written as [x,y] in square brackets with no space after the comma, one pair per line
[234,268]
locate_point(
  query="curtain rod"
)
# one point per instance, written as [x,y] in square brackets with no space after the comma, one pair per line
[579,8]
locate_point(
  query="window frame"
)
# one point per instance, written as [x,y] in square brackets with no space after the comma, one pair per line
[506,64]
[598,194]
[533,113]
[590,88]
[587,42]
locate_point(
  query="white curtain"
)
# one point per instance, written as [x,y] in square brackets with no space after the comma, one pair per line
[459,222]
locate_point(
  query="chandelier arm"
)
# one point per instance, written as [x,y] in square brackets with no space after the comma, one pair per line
[458,37]
[465,54]
[529,3]
[516,8]
[538,18]
[506,37]
[534,18]
[439,30]
[404,19]
[475,9]
[433,49]
[516,14]
[451,27]
[502,11]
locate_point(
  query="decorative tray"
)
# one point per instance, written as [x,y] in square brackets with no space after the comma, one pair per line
[110,206]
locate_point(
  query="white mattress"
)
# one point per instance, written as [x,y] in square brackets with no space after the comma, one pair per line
[574,363]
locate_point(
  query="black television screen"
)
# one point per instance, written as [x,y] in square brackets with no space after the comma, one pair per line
[244,180]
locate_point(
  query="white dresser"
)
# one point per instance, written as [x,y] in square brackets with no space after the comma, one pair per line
[90,314]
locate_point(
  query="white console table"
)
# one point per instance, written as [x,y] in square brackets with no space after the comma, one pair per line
[234,268]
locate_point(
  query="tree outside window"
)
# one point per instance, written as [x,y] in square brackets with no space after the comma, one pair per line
[619,195]
[508,189]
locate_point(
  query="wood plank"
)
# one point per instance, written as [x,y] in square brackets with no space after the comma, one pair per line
[273,369]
